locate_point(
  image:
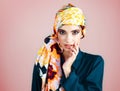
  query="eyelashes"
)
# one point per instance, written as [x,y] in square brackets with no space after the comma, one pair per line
[63,32]
[75,32]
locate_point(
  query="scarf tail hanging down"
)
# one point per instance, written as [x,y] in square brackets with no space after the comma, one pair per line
[48,56]
[43,59]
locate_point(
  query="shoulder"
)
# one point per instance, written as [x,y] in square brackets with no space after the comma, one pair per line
[94,58]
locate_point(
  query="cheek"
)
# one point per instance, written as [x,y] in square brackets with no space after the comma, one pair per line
[61,38]
[77,40]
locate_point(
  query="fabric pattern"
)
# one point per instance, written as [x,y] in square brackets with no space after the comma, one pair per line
[49,60]
[70,15]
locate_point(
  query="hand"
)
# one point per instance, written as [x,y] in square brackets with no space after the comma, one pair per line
[70,57]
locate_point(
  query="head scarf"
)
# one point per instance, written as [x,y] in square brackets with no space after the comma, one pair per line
[48,56]
[69,15]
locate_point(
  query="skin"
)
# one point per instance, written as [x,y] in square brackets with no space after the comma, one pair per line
[69,40]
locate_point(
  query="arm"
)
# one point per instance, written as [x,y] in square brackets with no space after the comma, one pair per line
[93,81]
[36,80]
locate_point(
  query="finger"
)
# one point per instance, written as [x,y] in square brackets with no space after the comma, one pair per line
[75,48]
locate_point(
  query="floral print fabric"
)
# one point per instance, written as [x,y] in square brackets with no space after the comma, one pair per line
[70,15]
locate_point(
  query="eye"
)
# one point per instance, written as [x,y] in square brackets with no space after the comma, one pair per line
[62,32]
[75,32]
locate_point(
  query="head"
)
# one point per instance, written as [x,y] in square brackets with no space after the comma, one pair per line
[69,25]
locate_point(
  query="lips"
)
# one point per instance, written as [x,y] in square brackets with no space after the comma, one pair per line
[68,46]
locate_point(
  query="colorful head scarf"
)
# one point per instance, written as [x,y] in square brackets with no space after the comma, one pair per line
[70,15]
[48,56]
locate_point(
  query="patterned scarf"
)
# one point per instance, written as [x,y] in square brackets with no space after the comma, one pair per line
[49,55]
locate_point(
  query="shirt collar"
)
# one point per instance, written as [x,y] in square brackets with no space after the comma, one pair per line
[77,60]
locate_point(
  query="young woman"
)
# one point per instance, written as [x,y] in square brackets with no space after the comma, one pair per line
[60,64]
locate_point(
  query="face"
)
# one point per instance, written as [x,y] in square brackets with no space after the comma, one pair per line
[69,35]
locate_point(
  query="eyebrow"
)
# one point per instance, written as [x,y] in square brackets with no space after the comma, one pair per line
[71,30]
[75,30]
[61,29]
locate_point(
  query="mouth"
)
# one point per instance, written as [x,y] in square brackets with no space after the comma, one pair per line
[68,46]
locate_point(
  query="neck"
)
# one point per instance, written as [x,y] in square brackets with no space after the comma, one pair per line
[66,54]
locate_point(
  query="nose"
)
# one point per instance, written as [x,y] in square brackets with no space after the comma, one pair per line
[69,39]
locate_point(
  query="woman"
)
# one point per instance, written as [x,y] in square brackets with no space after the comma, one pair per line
[60,64]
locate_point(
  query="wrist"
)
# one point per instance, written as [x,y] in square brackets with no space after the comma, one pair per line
[66,70]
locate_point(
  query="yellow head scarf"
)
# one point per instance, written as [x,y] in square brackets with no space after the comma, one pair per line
[70,15]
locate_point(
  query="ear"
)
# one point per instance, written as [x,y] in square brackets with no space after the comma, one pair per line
[84,31]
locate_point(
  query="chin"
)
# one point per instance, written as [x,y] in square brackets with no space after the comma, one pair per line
[66,49]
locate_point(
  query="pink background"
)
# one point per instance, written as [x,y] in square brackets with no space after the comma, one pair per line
[24,24]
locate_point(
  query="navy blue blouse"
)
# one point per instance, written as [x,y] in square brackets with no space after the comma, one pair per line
[86,74]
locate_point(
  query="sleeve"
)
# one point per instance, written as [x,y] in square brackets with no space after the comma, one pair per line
[93,81]
[36,80]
